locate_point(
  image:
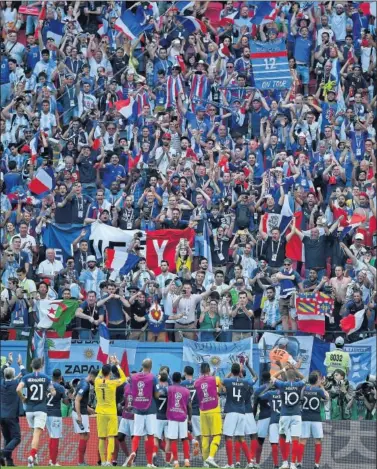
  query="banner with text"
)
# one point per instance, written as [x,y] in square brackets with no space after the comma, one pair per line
[84,357]
[270,65]
[219,355]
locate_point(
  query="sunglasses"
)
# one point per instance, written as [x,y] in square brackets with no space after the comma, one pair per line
[229,66]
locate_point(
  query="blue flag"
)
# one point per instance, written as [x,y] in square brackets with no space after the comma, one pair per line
[60,238]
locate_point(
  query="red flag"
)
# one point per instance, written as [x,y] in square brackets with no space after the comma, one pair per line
[294,247]
[124,364]
[352,322]
[181,63]
[96,144]
[161,245]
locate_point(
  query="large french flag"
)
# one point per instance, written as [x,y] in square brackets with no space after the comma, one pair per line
[59,347]
[125,107]
[275,220]
[104,343]
[120,261]
[263,13]
[352,322]
[191,24]
[42,182]
[130,25]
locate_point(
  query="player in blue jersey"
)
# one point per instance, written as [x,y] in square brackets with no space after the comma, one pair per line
[189,383]
[80,413]
[250,424]
[37,386]
[236,390]
[290,420]
[312,397]
[54,422]
[263,415]
[161,419]
[272,397]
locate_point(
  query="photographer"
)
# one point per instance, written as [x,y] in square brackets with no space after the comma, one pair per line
[341,395]
[364,401]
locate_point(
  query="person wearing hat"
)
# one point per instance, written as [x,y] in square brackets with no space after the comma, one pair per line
[164,153]
[91,277]
[338,358]
[358,248]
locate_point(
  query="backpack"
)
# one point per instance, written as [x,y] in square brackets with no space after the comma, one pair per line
[243,216]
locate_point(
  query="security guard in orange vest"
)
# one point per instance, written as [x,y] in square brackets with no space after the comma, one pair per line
[279,357]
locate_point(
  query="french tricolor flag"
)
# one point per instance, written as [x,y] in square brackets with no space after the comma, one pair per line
[34,147]
[104,343]
[191,24]
[41,183]
[125,106]
[264,13]
[120,261]
[130,25]
[352,322]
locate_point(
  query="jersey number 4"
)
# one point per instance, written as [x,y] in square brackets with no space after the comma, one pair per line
[237,394]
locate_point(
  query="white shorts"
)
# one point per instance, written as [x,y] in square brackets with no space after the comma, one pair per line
[273,434]
[36,419]
[85,423]
[126,426]
[234,424]
[250,425]
[290,425]
[262,427]
[144,424]
[176,430]
[311,429]
[54,426]
[161,428]
[195,422]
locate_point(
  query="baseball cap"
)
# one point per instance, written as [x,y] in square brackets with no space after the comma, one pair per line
[200,108]
[91,259]
[359,236]
[166,135]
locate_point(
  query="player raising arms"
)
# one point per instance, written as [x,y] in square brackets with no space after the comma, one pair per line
[189,383]
[236,389]
[106,409]
[290,420]
[37,385]
[144,393]
[312,396]
[80,413]
[178,414]
[210,413]
[54,416]
[161,420]
[271,394]
[264,414]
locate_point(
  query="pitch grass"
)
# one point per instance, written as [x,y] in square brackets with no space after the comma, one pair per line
[81,467]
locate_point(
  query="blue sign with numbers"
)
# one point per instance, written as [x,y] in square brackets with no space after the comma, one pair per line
[270,65]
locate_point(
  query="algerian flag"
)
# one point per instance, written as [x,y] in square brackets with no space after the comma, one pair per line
[56,314]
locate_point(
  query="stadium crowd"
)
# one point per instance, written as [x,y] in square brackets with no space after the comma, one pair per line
[201,148]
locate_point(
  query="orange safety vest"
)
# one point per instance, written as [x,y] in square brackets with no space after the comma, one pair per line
[280,355]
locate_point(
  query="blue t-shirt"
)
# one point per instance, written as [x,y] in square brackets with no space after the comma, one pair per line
[111,172]
[236,389]
[83,389]
[162,402]
[249,394]
[4,71]
[54,402]
[311,403]
[36,385]
[264,406]
[290,393]
[190,385]
[274,399]
[302,50]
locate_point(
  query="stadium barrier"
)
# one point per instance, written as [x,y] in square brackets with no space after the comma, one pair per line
[346,445]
